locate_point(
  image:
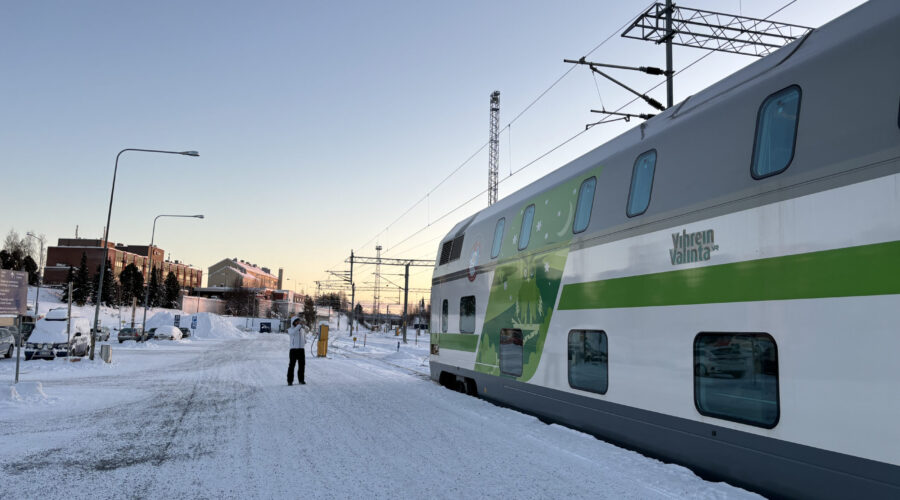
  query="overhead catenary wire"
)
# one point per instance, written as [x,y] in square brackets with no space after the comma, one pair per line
[575,136]
[504,129]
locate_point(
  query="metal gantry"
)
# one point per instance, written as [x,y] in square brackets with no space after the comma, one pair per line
[666,23]
[703,29]
[494,149]
[378,261]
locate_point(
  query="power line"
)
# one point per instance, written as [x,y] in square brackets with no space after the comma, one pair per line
[507,127]
[570,139]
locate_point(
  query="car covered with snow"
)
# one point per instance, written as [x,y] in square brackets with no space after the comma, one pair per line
[167,332]
[50,338]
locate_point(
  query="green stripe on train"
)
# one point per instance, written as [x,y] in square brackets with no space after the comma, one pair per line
[845,272]
[456,341]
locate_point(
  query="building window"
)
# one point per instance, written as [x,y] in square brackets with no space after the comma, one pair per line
[525,230]
[588,360]
[776,133]
[584,205]
[641,183]
[736,377]
[511,352]
[498,237]
[445,315]
[467,314]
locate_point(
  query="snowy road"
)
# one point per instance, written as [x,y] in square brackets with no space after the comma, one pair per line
[220,422]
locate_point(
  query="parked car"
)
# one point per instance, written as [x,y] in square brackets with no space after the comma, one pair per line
[167,333]
[151,334]
[7,342]
[27,328]
[103,335]
[185,332]
[130,334]
[50,338]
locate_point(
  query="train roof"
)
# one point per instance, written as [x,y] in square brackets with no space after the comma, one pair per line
[839,31]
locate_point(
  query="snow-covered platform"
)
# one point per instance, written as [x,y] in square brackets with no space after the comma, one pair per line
[215,419]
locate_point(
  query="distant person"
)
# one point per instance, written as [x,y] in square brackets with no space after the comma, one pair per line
[297,353]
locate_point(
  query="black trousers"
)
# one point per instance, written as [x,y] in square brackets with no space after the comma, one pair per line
[298,356]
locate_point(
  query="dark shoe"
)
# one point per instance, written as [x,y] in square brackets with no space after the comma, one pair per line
[303,382]
[293,384]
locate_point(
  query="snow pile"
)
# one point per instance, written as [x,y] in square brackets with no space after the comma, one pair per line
[213,326]
[28,392]
[165,318]
[209,325]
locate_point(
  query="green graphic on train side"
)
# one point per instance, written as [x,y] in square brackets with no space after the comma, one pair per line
[526,283]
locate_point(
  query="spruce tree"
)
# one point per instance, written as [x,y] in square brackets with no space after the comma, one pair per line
[172,291]
[157,293]
[109,285]
[80,290]
[309,312]
[30,267]
[70,278]
[126,285]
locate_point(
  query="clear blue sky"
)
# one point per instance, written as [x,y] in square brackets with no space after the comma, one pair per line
[318,123]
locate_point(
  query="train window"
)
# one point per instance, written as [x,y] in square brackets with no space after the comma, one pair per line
[584,205]
[445,252]
[776,133]
[467,314]
[456,251]
[525,232]
[641,183]
[588,360]
[736,377]
[498,237]
[511,351]
[445,314]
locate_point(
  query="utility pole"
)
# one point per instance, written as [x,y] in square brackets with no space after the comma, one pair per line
[493,150]
[669,91]
[405,301]
[377,281]
[352,295]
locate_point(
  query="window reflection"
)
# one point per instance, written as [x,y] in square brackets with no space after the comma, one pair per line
[525,232]
[776,132]
[445,313]
[511,351]
[467,314]
[498,238]
[588,360]
[584,205]
[736,377]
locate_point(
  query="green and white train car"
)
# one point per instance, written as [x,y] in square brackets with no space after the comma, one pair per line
[718,287]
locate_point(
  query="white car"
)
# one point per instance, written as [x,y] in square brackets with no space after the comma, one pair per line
[50,339]
[7,342]
[167,332]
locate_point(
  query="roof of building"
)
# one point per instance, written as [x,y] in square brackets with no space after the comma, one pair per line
[247,268]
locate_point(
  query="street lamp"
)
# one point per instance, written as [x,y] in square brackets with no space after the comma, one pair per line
[37,298]
[150,264]
[112,192]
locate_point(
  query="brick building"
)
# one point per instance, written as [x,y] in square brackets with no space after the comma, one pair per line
[69,250]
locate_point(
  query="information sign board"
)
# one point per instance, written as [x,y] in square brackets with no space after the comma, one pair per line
[13,292]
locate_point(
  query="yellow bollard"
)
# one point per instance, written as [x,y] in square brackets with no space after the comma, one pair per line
[322,347]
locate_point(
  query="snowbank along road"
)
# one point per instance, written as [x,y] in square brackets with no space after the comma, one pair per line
[215,419]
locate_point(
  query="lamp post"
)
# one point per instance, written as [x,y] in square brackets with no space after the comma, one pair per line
[150,264]
[112,192]
[37,298]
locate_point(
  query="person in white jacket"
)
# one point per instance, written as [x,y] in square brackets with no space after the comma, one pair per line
[298,352]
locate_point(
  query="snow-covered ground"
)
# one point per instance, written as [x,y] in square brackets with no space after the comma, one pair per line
[214,418]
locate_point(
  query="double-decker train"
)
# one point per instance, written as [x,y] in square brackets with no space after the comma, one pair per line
[718,287]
